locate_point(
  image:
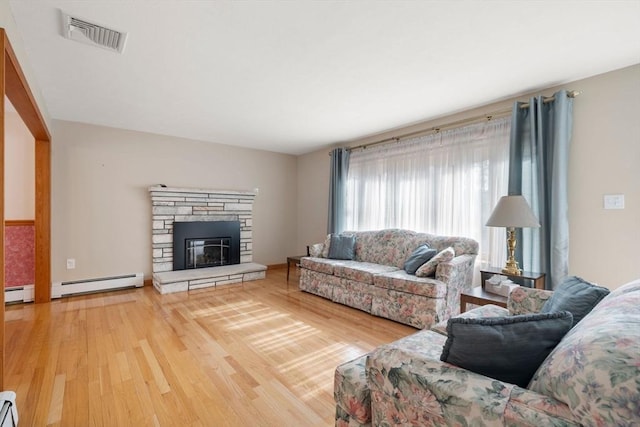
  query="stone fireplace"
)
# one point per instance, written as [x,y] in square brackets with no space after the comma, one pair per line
[192,214]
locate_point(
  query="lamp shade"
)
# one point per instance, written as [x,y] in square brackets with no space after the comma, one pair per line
[512,211]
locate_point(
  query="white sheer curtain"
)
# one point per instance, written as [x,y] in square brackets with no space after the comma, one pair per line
[446,183]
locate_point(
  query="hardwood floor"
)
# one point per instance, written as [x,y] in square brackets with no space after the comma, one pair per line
[261,353]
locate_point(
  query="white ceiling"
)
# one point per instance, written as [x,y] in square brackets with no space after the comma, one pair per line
[295,76]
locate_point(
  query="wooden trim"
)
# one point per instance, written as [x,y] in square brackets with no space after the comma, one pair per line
[18,92]
[276,266]
[4,43]
[18,222]
[14,85]
[147,282]
[43,222]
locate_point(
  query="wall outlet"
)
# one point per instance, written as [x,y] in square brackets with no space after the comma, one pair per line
[614,201]
[71,263]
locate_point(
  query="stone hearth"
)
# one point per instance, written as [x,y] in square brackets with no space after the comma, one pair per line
[171,204]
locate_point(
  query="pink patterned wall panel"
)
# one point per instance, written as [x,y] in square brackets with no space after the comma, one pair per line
[19,255]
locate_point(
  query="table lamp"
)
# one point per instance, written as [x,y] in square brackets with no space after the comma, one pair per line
[512,212]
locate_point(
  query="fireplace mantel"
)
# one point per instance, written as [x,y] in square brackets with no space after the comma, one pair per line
[182,191]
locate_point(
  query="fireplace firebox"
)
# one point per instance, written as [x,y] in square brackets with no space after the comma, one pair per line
[203,244]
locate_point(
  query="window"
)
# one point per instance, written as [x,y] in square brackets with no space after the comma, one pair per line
[445,183]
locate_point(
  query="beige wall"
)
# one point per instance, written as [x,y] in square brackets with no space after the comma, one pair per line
[19,171]
[604,159]
[313,196]
[101,208]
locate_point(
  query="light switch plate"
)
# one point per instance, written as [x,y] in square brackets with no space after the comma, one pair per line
[614,201]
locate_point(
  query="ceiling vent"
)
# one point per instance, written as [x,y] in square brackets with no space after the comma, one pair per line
[83,31]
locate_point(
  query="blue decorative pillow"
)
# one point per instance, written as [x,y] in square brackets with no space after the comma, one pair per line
[507,348]
[575,295]
[422,254]
[342,246]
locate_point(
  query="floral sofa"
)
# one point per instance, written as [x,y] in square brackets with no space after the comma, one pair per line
[375,281]
[590,378]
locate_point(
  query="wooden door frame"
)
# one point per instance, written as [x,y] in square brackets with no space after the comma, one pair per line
[15,87]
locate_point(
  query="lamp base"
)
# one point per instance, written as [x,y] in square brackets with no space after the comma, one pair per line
[512,265]
[512,268]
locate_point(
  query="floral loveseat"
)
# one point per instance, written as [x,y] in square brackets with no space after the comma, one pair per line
[375,281]
[591,378]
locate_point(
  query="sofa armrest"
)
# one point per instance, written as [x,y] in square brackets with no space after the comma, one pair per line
[457,274]
[523,300]
[409,388]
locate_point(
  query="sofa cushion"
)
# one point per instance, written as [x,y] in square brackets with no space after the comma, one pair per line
[361,271]
[507,348]
[422,254]
[429,267]
[321,265]
[342,246]
[400,280]
[325,246]
[523,300]
[480,312]
[316,249]
[594,369]
[575,295]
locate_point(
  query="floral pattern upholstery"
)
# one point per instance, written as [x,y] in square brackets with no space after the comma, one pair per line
[595,369]
[351,393]
[411,387]
[429,268]
[524,300]
[415,310]
[354,294]
[527,408]
[361,271]
[482,311]
[321,265]
[399,280]
[386,247]
[591,378]
[376,282]
[318,283]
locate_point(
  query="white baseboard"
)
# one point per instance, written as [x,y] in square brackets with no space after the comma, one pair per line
[60,289]
[19,294]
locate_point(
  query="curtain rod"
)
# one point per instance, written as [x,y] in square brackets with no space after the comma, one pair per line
[436,129]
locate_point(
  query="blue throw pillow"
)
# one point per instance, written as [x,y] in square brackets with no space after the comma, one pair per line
[342,246]
[507,348]
[422,254]
[575,295]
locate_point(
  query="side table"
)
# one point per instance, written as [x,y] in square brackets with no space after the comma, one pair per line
[295,260]
[479,296]
[529,279]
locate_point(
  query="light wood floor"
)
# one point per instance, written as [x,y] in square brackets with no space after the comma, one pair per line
[255,354]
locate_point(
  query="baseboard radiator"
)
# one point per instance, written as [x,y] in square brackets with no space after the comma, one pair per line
[19,294]
[63,289]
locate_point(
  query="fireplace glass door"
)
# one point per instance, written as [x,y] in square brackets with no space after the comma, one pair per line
[209,252]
